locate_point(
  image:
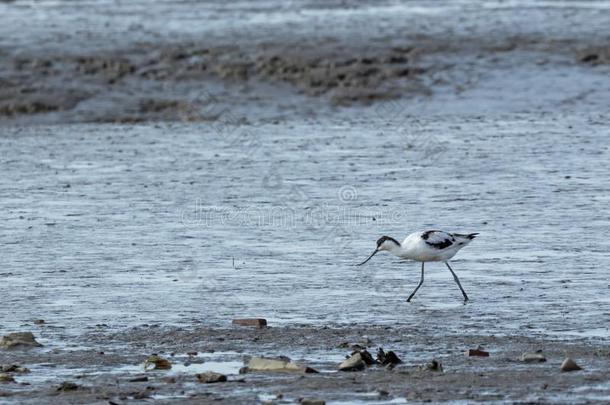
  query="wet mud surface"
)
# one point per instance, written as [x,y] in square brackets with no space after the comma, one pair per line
[161,78]
[182,227]
[162,176]
[112,369]
[273,61]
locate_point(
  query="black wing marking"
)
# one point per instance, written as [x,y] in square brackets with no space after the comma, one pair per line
[438,239]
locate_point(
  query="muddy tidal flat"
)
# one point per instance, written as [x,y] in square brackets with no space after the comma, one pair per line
[132,240]
[108,367]
[170,167]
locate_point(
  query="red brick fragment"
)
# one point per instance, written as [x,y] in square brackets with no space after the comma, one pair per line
[477,352]
[256,322]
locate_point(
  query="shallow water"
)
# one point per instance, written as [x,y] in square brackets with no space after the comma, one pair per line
[63,26]
[181,224]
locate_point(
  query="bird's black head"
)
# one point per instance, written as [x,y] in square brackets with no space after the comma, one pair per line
[385,239]
[383,243]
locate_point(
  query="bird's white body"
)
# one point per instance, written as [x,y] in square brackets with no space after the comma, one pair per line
[438,246]
[426,246]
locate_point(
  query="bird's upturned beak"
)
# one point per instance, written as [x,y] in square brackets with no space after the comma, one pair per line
[369,258]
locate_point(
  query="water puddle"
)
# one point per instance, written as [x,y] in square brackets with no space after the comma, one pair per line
[51,373]
[223,367]
[376,400]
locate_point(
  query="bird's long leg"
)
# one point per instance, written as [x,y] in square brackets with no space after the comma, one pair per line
[457,280]
[421,281]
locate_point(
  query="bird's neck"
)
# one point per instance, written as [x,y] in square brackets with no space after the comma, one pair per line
[396,250]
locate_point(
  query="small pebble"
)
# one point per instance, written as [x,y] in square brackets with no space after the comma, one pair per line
[533,358]
[256,322]
[67,386]
[477,353]
[155,362]
[312,401]
[569,365]
[353,363]
[434,365]
[211,377]
[4,377]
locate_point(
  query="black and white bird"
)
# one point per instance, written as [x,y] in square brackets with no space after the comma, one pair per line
[427,246]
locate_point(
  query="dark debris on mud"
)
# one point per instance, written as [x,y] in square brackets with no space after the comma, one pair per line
[37,84]
[195,82]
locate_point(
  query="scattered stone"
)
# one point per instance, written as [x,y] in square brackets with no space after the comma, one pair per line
[192,354]
[353,363]
[434,365]
[18,340]
[355,347]
[144,394]
[343,345]
[139,379]
[569,365]
[211,377]
[4,378]
[13,368]
[478,352]
[311,401]
[387,358]
[366,357]
[256,322]
[155,362]
[392,358]
[533,358]
[262,364]
[588,58]
[67,386]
